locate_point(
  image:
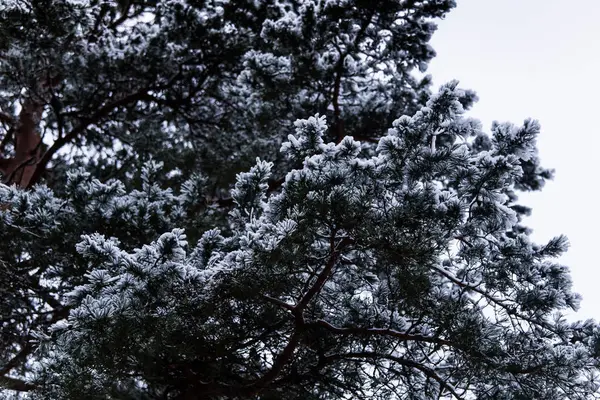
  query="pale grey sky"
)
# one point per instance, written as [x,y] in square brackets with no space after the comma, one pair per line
[540,59]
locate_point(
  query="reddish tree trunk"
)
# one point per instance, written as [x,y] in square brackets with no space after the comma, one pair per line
[19,169]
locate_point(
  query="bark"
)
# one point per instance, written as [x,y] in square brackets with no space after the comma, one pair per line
[27,141]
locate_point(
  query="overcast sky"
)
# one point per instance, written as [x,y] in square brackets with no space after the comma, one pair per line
[539,59]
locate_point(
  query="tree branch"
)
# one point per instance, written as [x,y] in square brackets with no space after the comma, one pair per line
[499,302]
[13,362]
[323,276]
[427,371]
[282,359]
[278,302]
[80,128]
[9,383]
[379,332]
[338,123]
[7,118]
[298,310]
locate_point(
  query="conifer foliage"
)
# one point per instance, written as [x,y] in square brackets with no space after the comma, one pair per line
[373,250]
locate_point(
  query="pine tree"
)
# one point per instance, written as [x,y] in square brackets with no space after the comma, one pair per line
[378,252]
[206,85]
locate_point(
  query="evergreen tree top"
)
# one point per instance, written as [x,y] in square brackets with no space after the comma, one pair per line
[160,238]
[402,273]
[199,84]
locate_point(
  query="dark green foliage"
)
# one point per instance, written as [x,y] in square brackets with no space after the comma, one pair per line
[376,253]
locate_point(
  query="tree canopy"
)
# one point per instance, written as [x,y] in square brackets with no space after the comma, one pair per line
[262,200]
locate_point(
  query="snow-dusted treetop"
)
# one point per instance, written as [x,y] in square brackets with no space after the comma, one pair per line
[399,272]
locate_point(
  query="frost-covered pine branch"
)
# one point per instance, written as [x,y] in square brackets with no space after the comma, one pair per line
[398,274]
